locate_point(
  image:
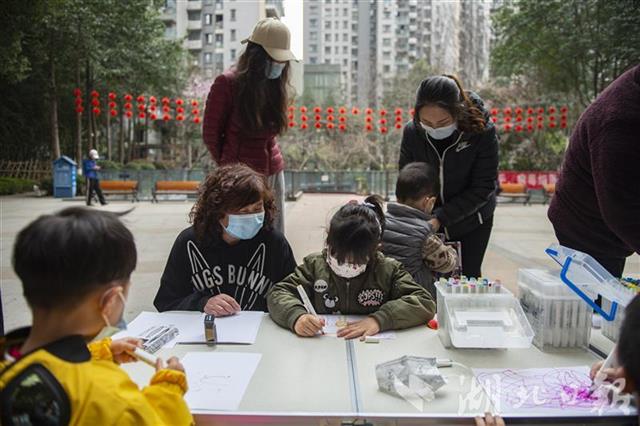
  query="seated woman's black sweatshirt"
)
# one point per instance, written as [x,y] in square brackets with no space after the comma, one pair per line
[197,271]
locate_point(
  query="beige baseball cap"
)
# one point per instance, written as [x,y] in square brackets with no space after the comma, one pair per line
[274,37]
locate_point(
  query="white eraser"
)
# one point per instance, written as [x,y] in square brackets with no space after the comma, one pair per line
[371,339]
[443,362]
[145,357]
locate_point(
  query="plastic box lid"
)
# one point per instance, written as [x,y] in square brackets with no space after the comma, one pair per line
[545,282]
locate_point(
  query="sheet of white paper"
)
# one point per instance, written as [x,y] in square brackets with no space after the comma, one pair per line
[336,322]
[187,323]
[547,391]
[239,328]
[218,381]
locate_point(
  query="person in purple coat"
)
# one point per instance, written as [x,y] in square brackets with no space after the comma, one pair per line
[596,207]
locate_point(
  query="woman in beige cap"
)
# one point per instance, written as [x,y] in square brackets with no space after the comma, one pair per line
[247,107]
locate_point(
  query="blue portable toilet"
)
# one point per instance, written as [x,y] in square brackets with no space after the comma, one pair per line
[64,177]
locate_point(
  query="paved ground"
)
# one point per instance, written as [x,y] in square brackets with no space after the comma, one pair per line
[520,235]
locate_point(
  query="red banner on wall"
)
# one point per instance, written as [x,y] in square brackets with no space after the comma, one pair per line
[533,180]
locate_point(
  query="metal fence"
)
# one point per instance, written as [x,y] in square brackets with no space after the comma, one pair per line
[357,182]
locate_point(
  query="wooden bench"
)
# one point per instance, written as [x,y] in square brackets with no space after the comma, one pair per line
[120,187]
[549,191]
[515,191]
[170,187]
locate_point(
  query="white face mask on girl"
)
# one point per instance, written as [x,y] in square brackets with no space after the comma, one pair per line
[274,70]
[345,270]
[440,132]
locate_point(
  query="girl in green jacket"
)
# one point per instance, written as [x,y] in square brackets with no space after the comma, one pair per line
[351,277]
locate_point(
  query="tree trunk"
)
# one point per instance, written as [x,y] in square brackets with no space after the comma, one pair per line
[121,138]
[89,106]
[53,110]
[108,135]
[78,135]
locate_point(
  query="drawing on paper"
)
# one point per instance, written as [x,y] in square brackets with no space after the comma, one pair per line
[210,383]
[566,388]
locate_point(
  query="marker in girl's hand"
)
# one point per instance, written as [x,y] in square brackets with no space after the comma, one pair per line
[146,357]
[307,303]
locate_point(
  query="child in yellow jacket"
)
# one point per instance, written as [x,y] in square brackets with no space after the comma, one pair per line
[75,267]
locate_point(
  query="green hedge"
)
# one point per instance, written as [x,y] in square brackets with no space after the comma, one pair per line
[140,165]
[10,186]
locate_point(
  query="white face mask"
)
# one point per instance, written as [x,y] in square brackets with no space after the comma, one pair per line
[109,330]
[345,270]
[440,132]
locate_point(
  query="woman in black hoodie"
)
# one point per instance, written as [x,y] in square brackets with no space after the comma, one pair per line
[452,132]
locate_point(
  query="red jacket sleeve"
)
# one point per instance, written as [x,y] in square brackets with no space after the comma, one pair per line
[216,114]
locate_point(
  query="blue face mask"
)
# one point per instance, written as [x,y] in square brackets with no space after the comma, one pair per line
[245,226]
[274,70]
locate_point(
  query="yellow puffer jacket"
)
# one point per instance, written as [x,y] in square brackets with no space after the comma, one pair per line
[70,382]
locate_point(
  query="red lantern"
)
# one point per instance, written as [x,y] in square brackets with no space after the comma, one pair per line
[540,110]
[166,108]
[369,127]
[368,111]
[552,125]
[518,128]
[529,111]
[519,118]
[552,118]
[529,119]
[179,102]
[128,105]
[194,103]
[383,112]
[195,111]
[507,127]
[291,108]
[494,111]
[95,102]
[303,109]
[518,111]
[179,117]
[290,116]
[303,126]
[292,124]
[94,94]
[507,119]
[383,121]
[77,92]
[368,119]
[129,114]
[398,126]
[153,116]
[79,109]
[564,109]
[142,115]
[317,117]
[412,111]
[355,111]
[507,111]
[563,117]
[112,96]
[398,118]
[78,101]
[552,110]
[330,126]
[166,100]
[494,119]
[540,126]
[112,105]
[152,108]
[330,110]
[113,112]
[540,119]
[141,107]
[342,110]
[303,118]
[152,99]
[530,127]
[96,111]
[398,111]
[317,110]
[166,117]
[318,125]
[128,97]
[563,125]
[342,119]
[196,120]
[330,118]
[140,99]
[383,130]
[342,127]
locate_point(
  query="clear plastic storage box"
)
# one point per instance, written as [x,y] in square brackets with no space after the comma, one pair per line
[558,316]
[481,320]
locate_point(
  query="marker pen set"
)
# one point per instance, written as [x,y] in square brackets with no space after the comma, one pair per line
[464,285]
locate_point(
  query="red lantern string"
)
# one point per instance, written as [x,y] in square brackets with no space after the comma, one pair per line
[398,126]
[129,114]
[128,105]
[194,103]
[507,127]
[369,127]
[317,110]
[291,108]
[318,125]
[355,111]
[552,118]
[152,99]
[507,119]
[166,101]
[564,109]
[330,126]
[179,102]
[540,110]
[398,111]
[166,117]
[142,115]
[398,118]
[342,127]
[494,111]
[140,99]
[342,110]
[292,124]
[290,116]
[342,119]
[552,110]
[166,108]
[518,128]
[112,96]
[128,97]
[518,111]
[529,119]
[113,113]
[494,119]
[196,120]
[368,111]
[519,118]
[383,112]
[330,118]
[95,94]
[507,111]
[303,109]
[304,118]
[317,117]
[383,121]
[141,107]
[77,92]
[153,116]
[368,119]
[95,102]
[96,111]
[303,126]
[330,110]
[195,111]
[563,125]
[552,125]
[112,105]
[152,108]
[530,127]
[383,130]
